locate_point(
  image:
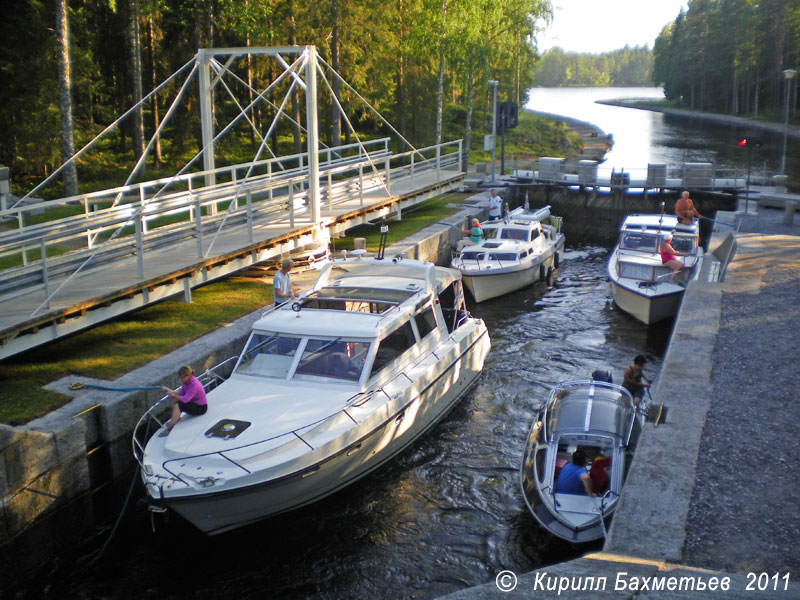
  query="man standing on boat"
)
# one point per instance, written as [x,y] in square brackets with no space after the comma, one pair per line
[632,379]
[495,206]
[685,210]
[282,289]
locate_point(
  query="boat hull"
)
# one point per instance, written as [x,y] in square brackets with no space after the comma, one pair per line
[215,513]
[647,309]
[485,286]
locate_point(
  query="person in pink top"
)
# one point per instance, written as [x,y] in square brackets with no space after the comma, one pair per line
[190,399]
[669,259]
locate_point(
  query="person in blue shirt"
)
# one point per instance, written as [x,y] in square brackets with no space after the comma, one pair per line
[574,479]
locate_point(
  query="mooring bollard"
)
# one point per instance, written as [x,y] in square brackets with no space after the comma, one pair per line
[788,213]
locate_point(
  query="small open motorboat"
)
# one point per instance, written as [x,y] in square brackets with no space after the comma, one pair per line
[517,251]
[327,389]
[640,283]
[598,418]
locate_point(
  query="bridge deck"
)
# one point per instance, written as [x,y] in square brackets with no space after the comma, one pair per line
[98,293]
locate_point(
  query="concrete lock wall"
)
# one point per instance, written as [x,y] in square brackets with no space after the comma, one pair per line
[51,467]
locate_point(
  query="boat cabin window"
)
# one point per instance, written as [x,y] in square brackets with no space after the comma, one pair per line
[268,355]
[472,255]
[684,243]
[643,242]
[426,322]
[490,233]
[336,359]
[534,234]
[514,234]
[503,256]
[393,345]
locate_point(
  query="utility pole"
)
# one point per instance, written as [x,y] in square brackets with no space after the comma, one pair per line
[493,84]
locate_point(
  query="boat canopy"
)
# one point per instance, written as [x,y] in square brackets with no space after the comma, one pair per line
[589,407]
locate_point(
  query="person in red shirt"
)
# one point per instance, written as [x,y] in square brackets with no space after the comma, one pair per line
[669,259]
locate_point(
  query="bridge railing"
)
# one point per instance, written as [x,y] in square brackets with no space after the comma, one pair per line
[146,219]
[97,212]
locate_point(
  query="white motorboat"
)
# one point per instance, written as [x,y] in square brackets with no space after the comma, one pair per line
[326,389]
[599,419]
[640,284]
[523,248]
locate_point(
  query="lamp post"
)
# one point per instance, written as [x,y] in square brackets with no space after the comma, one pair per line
[788,74]
[493,84]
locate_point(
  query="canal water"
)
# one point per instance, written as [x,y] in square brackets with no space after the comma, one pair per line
[446,514]
[643,136]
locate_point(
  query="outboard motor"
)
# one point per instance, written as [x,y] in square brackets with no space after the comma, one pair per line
[602,375]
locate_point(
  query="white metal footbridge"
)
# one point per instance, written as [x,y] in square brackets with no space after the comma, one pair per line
[120,249]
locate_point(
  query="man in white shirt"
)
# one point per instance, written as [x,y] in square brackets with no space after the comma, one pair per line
[282,289]
[495,206]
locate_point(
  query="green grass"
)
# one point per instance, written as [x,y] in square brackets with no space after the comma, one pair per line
[117,347]
[412,221]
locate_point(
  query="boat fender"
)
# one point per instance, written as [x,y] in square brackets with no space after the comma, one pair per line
[549,275]
[555,260]
[541,272]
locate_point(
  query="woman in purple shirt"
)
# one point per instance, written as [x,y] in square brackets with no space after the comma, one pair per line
[191,398]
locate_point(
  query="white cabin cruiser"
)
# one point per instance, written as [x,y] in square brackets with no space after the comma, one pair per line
[640,283]
[600,420]
[327,389]
[519,250]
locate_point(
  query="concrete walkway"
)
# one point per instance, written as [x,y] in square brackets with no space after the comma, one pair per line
[710,506]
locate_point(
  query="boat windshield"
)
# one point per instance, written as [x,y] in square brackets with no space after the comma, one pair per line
[514,234]
[336,359]
[272,355]
[642,242]
[268,355]
[589,408]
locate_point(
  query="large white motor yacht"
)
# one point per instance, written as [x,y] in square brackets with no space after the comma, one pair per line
[327,388]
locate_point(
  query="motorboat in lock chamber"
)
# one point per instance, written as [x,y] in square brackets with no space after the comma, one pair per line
[327,389]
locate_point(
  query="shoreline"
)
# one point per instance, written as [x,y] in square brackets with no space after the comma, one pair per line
[792,131]
[597,142]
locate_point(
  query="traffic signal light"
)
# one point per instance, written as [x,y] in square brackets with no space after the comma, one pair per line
[508,114]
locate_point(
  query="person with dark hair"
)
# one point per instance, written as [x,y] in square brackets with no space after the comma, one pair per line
[190,399]
[632,379]
[574,479]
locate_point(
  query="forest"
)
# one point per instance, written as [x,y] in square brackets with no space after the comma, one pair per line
[626,67]
[69,68]
[729,56]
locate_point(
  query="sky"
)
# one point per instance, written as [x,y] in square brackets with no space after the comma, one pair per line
[597,26]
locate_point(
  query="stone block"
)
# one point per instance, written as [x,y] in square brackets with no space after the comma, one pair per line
[44,494]
[28,458]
